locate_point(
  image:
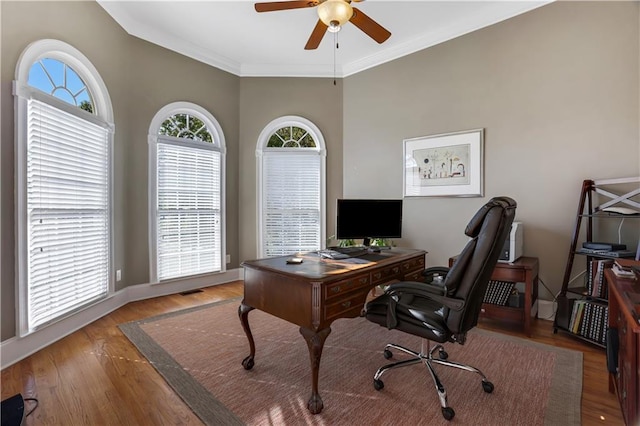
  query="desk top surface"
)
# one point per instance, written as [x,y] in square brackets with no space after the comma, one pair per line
[315,267]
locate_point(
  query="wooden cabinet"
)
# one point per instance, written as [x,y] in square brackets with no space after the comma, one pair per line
[624,344]
[582,306]
[525,270]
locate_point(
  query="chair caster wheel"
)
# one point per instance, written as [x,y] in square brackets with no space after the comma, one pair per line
[487,386]
[448,413]
[387,354]
[443,354]
[377,384]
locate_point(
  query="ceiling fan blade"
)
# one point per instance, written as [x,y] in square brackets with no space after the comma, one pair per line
[316,36]
[273,6]
[369,26]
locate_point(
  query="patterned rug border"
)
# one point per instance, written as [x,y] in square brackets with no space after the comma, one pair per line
[212,412]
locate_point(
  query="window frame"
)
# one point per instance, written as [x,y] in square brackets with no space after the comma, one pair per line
[103,116]
[263,150]
[218,145]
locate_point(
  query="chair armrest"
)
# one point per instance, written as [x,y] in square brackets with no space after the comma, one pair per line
[427,291]
[416,287]
[429,272]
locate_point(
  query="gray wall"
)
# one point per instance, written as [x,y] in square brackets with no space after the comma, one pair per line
[141,79]
[557,93]
[261,101]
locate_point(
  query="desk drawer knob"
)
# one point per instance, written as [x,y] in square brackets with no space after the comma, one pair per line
[335,289]
[346,304]
[363,280]
[377,275]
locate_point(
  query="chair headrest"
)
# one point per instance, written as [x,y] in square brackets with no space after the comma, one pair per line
[475,224]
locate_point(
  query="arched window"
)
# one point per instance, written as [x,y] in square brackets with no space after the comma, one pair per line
[291,188]
[64,137]
[186,174]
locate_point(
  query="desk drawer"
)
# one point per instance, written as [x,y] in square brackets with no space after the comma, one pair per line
[386,274]
[347,307]
[414,276]
[341,287]
[415,264]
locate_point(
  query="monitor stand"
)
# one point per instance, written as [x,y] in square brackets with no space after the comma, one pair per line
[373,249]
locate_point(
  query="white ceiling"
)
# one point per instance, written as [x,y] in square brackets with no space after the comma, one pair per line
[232,36]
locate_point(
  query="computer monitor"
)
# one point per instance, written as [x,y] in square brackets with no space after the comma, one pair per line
[368,219]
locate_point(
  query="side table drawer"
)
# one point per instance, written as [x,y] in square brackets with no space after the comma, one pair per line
[508,274]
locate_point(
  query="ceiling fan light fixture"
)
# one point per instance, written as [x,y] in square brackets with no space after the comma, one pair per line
[334,14]
[334,27]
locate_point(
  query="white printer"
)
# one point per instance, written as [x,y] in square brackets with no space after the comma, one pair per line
[514,245]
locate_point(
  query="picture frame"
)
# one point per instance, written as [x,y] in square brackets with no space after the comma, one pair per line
[444,165]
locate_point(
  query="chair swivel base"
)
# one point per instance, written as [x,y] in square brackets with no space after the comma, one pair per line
[426,356]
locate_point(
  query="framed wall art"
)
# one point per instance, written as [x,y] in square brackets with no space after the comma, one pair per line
[445,165]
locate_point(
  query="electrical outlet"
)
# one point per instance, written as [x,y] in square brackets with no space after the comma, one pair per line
[118,275]
[228,258]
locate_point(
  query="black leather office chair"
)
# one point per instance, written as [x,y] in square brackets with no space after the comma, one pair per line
[444,312]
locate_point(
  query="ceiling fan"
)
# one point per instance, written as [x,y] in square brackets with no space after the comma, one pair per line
[332,15]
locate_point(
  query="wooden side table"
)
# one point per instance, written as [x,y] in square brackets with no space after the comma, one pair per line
[525,270]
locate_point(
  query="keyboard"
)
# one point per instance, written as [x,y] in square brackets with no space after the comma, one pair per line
[352,251]
[332,254]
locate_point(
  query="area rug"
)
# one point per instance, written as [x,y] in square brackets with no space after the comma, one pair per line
[199,353]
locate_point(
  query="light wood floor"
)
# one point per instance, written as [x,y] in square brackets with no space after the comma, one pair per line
[95,376]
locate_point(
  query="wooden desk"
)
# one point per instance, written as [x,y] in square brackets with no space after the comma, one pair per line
[525,270]
[316,293]
[624,316]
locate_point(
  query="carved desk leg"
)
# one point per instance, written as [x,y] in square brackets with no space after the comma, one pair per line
[315,342]
[243,313]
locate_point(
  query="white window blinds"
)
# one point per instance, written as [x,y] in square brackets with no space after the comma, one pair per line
[68,212]
[291,206]
[188,214]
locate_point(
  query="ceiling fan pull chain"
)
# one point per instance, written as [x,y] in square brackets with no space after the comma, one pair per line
[335,39]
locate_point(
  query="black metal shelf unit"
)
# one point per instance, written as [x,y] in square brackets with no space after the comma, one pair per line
[583,309]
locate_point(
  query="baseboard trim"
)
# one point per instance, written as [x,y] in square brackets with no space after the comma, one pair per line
[16,349]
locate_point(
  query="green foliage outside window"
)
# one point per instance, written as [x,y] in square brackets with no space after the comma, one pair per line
[86,106]
[187,127]
[291,137]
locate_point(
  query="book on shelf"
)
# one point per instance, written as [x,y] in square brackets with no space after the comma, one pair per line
[596,284]
[589,320]
[577,321]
